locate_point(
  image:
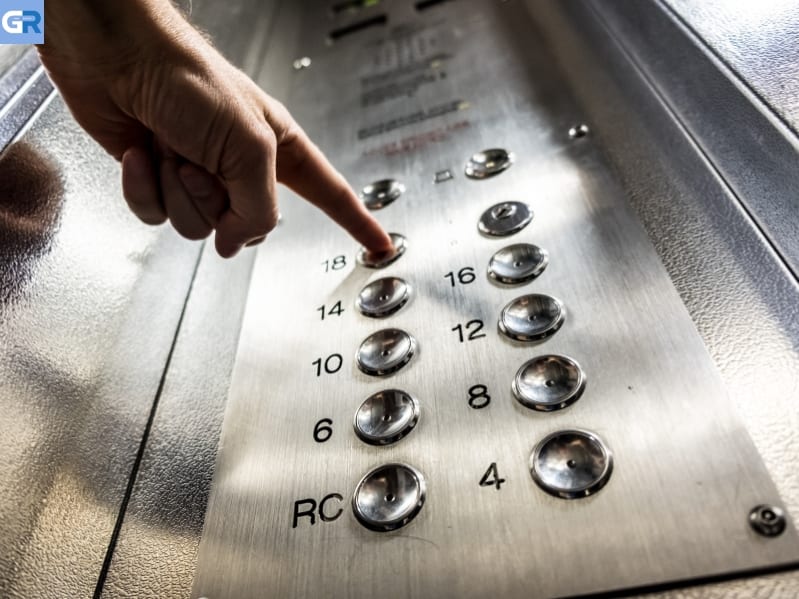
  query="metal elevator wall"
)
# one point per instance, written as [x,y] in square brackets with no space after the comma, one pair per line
[80,374]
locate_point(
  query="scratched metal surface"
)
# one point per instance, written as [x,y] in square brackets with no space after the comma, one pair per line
[653,392]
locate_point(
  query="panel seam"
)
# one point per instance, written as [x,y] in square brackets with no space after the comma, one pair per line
[98,590]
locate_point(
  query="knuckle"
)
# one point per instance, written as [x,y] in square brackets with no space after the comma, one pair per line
[265,140]
[264,225]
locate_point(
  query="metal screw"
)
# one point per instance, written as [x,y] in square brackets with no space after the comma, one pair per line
[578,131]
[767,520]
[302,63]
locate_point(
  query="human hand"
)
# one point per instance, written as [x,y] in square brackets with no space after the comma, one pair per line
[200,144]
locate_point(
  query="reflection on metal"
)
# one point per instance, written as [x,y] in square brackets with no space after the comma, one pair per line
[381,193]
[20,107]
[571,464]
[627,328]
[549,383]
[386,417]
[767,520]
[532,317]
[83,351]
[31,201]
[518,263]
[371,260]
[302,63]
[579,131]
[383,297]
[385,352]
[488,163]
[389,497]
[505,218]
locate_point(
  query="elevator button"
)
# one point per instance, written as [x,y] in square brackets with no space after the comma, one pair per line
[505,218]
[488,163]
[548,383]
[518,263]
[385,352]
[386,417]
[532,317]
[372,260]
[571,464]
[381,193]
[383,297]
[389,497]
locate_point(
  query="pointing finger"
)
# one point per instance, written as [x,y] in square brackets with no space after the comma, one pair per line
[303,167]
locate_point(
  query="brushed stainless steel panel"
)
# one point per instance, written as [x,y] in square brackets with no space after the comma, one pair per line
[737,289]
[686,473]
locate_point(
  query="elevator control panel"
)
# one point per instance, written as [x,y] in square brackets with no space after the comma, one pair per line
[514,401]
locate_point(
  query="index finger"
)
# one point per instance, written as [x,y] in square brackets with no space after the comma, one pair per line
[302,167]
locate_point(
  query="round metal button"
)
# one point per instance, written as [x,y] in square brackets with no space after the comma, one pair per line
[386,417]
[488,163]
[548,383]
[518,263]
[385,352]
[389,497]
[383,297]
[532,317]
[571,464]
[381,193]
[505,218]
[372,260]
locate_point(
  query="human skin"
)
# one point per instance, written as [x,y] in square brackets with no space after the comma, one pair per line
[200,144]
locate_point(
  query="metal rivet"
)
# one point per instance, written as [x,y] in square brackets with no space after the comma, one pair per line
[767,520]
[579,131]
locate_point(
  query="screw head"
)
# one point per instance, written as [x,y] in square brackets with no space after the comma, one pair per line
[767,520]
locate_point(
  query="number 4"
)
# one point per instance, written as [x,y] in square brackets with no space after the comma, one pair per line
[491,477]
